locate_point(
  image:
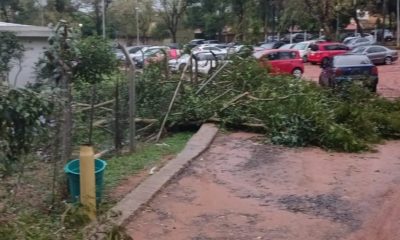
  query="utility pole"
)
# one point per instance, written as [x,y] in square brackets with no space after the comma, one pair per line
[137,25]
[103,10]
[398,25]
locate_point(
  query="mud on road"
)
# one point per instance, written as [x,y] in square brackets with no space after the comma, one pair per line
[242,188]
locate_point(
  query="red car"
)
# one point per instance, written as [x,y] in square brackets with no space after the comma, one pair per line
[281,61]
[323,51]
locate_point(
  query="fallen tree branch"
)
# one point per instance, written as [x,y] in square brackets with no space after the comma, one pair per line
[212,77]
[223,94]
[228,104]
[94,106]
[273,99]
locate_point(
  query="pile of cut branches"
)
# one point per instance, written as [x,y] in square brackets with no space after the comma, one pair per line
[290,111]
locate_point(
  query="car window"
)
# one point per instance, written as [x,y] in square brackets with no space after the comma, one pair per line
[376,49]
[300,46]
[134,50]
[314,47]
[350,60]
[271,56]
[286,55]
[358,50]
[330,47]
[341,47]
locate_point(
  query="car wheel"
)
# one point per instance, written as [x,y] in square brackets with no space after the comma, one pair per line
[388,60]
[182,67]
[297,72]
[313,63]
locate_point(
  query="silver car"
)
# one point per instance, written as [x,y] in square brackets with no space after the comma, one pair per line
[358,42]
[377,54]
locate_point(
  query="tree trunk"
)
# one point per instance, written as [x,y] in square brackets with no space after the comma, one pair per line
[359,28]
[173,35]
[66,125]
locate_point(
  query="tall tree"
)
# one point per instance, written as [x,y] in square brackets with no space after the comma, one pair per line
[322,11]
[172,13]
[8,10]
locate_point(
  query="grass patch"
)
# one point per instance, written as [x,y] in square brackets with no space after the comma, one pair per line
[29,218]
[119,168]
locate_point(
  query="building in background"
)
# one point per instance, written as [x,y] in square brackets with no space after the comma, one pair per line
[34,39]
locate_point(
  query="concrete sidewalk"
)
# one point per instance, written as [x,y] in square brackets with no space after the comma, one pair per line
[119,215]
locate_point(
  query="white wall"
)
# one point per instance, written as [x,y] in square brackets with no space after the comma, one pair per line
[34,48]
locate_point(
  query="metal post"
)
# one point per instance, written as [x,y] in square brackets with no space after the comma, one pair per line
[137,26]
[132,111]
[398,25]
[104,18]
[87,181]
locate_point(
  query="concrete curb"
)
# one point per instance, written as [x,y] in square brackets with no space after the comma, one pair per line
[119,216]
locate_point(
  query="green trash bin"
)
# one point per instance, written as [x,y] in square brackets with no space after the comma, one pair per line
[72,170]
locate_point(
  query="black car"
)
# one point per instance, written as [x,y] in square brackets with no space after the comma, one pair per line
[341,70]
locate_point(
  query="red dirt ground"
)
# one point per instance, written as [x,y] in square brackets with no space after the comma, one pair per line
[389,78]
[244,189]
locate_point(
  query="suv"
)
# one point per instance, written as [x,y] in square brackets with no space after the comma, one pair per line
[321,52]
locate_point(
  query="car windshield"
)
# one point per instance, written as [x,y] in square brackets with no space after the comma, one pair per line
[268,45]
[286,46]
[358,50]
[151,52]
[184,56]
[347,41]
[300,46]
[342,61]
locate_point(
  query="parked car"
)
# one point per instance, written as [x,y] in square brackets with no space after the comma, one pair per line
[377,54]
[152,54]
[207,47]
[135,51]
[281,61]
[386,34]
[296,37]
[177,65]
[287,46]
[322,51]
[207,62]
[304,48]
[352,36]
[344,69]
[195,42]
[211,42]
[273,45]
[358,42]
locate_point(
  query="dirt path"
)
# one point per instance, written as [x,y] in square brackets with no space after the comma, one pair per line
[242,189]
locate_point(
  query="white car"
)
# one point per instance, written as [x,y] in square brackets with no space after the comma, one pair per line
[304,49]
[177,65]
[205,62]
[207,47]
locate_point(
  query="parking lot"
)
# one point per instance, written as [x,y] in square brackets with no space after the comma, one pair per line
[389,78]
